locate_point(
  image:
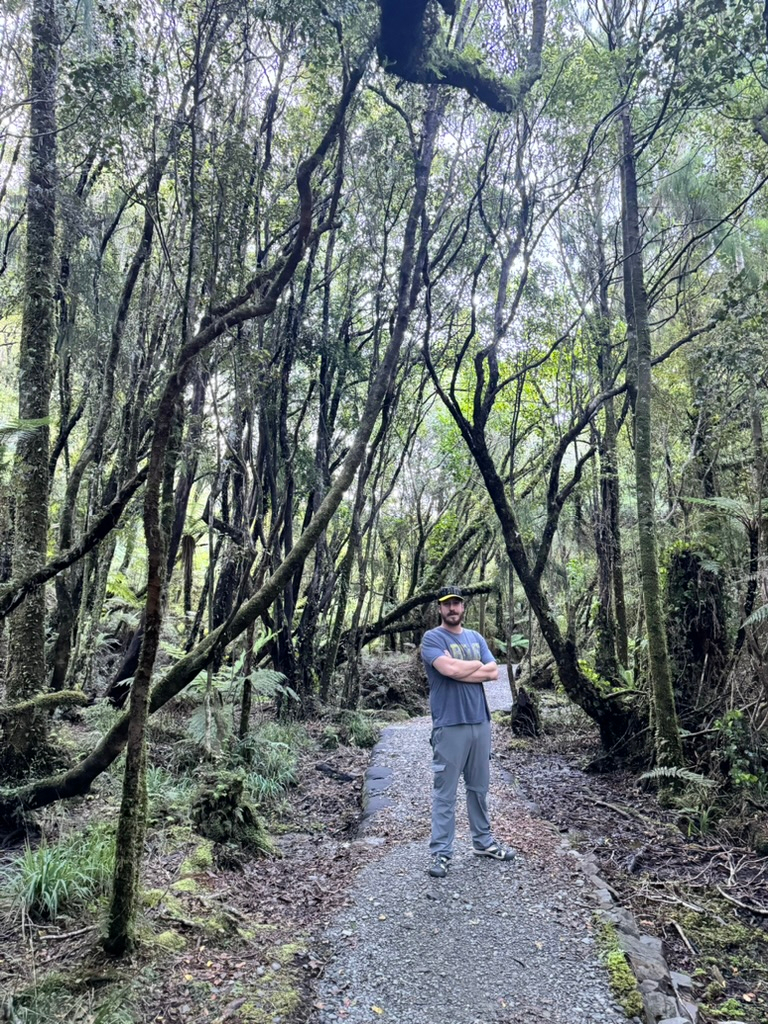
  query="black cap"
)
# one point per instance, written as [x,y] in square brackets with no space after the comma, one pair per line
[446,593]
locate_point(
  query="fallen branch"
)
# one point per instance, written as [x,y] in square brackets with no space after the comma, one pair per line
[761,911]
[56,936]
[628,812]
[691,948]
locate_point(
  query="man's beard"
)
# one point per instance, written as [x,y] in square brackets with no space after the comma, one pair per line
[451,618]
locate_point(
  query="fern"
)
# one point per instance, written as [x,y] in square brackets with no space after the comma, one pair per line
[680,774]
[516,640]
[220,727]
[14,430]
[121,591]
[735,508]
[757,618]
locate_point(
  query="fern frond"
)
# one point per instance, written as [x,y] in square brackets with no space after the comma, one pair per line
[681,774]
[266,681]
[738,508]
[758,616]
[14,430]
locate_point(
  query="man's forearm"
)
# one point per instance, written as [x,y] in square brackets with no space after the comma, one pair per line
[481,674]
[470,671]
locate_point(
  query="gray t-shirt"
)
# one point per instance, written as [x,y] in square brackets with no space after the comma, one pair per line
[450,701]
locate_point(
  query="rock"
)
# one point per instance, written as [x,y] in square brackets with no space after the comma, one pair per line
[376,803]
[654,971]
[602,895]
[589,864]
[683,981]
[640,949]
[378,784]
[658,1006]
[625,923]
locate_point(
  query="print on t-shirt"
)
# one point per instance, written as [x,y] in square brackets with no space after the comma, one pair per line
[465,652]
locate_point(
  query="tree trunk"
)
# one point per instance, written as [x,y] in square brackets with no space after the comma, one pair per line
[26,632]
[668,746]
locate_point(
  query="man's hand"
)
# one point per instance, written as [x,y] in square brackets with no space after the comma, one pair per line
[466,671]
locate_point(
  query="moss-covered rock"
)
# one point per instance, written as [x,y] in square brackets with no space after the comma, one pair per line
[170,941]
[224,815]
[621,977]
[200,859]
[186,884]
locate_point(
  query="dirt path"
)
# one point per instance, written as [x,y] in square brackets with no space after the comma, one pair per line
[503,943]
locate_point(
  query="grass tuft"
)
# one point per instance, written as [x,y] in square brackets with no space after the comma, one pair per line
[50,879]
[270,757]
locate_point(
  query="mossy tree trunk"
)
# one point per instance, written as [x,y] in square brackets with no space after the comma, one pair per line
[668,746]
[611,618]
[26,631]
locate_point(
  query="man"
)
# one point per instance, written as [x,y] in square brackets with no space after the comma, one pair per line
[458,662]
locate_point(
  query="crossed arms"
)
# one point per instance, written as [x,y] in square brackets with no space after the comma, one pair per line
[465,671]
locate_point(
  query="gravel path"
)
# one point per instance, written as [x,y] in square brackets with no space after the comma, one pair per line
[493,942]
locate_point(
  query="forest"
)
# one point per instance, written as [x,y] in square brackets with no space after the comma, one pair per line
[308,308]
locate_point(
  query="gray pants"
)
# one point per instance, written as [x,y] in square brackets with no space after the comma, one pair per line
[460,750]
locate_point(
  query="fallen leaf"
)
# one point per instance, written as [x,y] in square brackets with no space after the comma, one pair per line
[377,1009]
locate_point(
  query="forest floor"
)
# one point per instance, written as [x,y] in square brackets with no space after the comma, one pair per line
[237,940]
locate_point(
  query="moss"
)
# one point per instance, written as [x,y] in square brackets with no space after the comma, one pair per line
[521,745]
[280,1004]
[177,837]
[621,978]
[186,884]
[731,954]
[731,1009]
[169,940]
[215,924]
[714,933]
[285,954]
[200,859]
[152,898]
[278,993]
[171,906]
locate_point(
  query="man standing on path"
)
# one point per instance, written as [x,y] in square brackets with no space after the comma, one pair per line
[458,662]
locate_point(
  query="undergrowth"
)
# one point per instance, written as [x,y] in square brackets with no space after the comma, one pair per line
[270,759]
[59,997]
[49,880]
